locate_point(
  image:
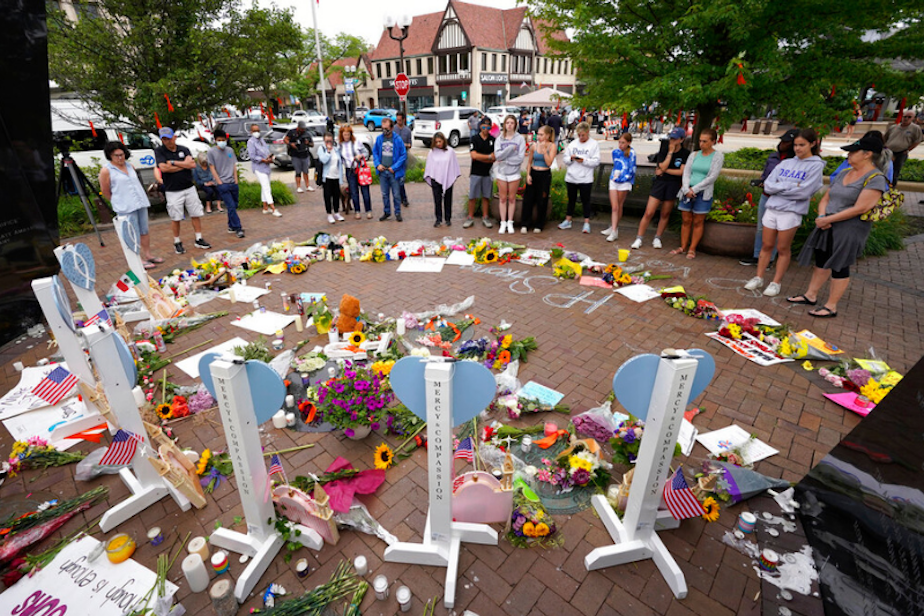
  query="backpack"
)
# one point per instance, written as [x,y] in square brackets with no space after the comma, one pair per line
[890,201]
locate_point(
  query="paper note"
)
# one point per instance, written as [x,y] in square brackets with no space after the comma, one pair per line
[540,393]
[750,348]
[750,313]
[535,257]
[734,437]
[190,365]
[638,292]
[460,257]
[422,265]
[20,398]
[266,323]
[244,293]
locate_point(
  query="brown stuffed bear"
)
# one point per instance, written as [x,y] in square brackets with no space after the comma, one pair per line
[349,310]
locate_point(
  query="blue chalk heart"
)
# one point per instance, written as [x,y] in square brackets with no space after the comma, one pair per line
[62,303]
[130,233]
[267,390]
[473,387]
[78,265]
[634,382]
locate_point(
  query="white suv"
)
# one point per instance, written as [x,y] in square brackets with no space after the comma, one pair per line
[497,114]
[451,121]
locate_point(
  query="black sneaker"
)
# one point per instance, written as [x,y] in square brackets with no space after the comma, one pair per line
[240,233]
[398,218]
[436,224]
[178,247]
[448,223]
[748,261]
[201,243]
[230,230]
[384,217]
[405,204]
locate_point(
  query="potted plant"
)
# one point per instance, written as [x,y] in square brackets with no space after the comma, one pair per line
[321,315]
[356,401]
[730,227]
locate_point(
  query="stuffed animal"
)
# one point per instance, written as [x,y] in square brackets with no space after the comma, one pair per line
[349,310]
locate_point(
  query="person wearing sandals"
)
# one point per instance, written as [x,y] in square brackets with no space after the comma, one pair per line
[622,179]
[509,152]
[696,189]
[840,234]
[538,180]
[353,156]
[789,190]
[120,184]
[441,173]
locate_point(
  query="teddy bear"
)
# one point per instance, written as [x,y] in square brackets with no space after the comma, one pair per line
[349,310]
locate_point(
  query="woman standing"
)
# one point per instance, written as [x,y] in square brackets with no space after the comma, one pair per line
[789,189]
[696,190]
[202,176]
[670,160]
[621,180]
[332,174]
[509,151]
[581,157]
[538,181]
[840,234]
[260,159]
[119,183]
[353,157]
[441,173]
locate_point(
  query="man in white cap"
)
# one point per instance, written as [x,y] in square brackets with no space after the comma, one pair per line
[176,163]
[901,139]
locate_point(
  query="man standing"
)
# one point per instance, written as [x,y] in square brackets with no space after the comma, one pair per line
[299,145]
[572,121]
[480,182]
[474,121]
[223,165]
[407,137]
[176,164]
[389,156]
[525,123]
[901,139]
[554,123]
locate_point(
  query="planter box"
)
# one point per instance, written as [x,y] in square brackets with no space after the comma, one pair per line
[728,239]
[494,210]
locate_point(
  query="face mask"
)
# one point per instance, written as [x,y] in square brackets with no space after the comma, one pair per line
[222,144]
[256,134]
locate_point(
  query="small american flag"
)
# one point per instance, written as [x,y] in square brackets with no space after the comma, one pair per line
[679,498]
[275,465]
[465,450]
[55,386]
[102,315]
[457,483]
[122,449]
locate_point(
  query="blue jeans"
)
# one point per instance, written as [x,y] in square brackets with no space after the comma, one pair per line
[403,192]
[355,189]
[759,240]
[229,194]
[391,187]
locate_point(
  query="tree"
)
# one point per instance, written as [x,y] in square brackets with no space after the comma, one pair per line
[176,59]
[728,59]
[304,81]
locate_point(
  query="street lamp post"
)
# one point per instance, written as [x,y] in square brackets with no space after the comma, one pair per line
[404,23]
[351,71]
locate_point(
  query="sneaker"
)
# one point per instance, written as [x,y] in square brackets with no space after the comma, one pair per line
[240,233]
[755,283]
[772,290]
[405,204]
[487,222]
[398,218]
[338,217]
[636,244]
[330,219]
[178,247]
[537,230]
[565,224]
[448,223]
[277,213]
[311,189]
[382,218]
[503,227]
[612,236]
[436,224]
[230,230]
[606,231]
[656,242]
[201,243]
[299,190]
[748,261]
[523,230]
[266,211]
[468,223]
[586,228]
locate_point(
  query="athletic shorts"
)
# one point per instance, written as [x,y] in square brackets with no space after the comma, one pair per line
[664,191]
[177,200]
[620,186]
[513,177]
[480,187]
[301,165]
[781,221]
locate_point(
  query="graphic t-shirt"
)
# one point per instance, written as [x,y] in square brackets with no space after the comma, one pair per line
[678,158]
[174,181]
[388,150]
[299,144]
[482,146]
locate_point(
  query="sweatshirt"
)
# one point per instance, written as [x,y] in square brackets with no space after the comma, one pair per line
[792,183]
[509,154]
[581,172]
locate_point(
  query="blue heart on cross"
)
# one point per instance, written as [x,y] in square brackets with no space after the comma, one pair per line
[634,382]
[267,391]
[62,303]
[78,265]
[130,233]
[473,387]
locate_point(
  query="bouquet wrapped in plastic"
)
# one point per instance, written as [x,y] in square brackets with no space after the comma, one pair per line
[597,423]
[530,523]
[732,484]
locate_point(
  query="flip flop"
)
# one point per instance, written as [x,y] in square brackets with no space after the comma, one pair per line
[677,251]
[148,265]
[801,299]
[155,260]
[827,314]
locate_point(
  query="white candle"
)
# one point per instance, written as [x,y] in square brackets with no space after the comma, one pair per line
[359,563]
[290,420]
[138,395]
[401,326]
[198,545]
[232,295]
[332,336]
[380,586]
[197,576]
[526,444]
[279,419]
[298,323]
[346,255]
[403,595]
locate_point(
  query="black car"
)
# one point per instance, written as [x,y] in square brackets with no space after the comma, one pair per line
[238,130]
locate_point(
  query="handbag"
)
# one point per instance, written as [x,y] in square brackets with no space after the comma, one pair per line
[890,201]
[364,175]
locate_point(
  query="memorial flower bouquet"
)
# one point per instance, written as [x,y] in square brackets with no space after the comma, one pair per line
[36,453]
[628,440]
[487,251]
[578,465]
[530,523]
[213,468]
[515,406]
[356,399]
[698,307]
[310,362]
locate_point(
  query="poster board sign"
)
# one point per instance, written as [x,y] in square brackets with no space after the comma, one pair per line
[638,292]
[424,265]
[540,393]
[20,398]
[751,313]
[190,365]
[750,348]
[732,437]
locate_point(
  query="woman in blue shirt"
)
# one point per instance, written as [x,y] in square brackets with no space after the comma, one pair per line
[621,180]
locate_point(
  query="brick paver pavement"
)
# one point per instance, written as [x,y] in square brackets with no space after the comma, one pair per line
[584,334]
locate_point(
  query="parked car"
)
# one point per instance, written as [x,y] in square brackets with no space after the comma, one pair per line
[238,130]
[360,114]
[281,151]
[451,121]
[373,118]
[498,113]
[311,117]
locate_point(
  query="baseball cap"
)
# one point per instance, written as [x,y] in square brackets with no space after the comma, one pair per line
[303,125]
[790,135]
[871,142]
[677,133]
[166,133]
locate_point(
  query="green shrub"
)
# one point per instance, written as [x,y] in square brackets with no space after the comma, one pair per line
[250,194]
[72,218]
[753,159]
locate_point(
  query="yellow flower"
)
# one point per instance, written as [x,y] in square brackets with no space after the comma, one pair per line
[204,462]
[577,462]
[785,348]
[384,457]
[357,338]
[18,448]
[873,391]
[807,365]
[490,256]
[735,331]
[505,342]
[711,508]
[542,529]
[529,529]
[163,411]
[383,367]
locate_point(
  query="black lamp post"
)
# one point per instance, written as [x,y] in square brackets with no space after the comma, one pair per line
[404,23]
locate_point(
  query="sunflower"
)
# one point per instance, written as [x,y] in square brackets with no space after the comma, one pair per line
[490,256]
[712,510]
[163,411]
[357,338]
[384,457]
[204,462]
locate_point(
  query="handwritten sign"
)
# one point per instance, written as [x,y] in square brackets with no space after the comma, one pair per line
[72,585]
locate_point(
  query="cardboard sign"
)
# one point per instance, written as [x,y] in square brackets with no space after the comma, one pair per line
[750,348]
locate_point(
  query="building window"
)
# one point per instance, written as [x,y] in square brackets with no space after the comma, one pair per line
[504,63]
[420,66]
[566,67]
[397,66]
[494,62]
[443,64]
[464,61]
[388,69]
[378,70]
[484,62]
[545,64]
[454,63]
[430,65]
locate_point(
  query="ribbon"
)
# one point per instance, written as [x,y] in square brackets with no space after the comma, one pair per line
[741,80]
[169,104]
[92,129]
[214,475]
[545,443]
[157,121]
[122,139]
[228,112]
[91,434]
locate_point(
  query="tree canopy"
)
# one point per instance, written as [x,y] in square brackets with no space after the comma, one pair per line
[305,80]
[176,59]
[733,58]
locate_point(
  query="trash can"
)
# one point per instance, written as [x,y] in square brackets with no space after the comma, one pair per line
[770,126]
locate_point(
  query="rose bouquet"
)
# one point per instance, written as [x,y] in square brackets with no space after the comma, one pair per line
[515,406]
[597,424]
[358,398]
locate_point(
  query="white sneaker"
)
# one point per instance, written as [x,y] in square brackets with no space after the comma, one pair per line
[510,228]
[755,283]
[537,230]
[565,224]
[523,230]
[606,231]
[656,242]
[585,228]
[330,219]
[277,213]
[266,211]
[338,217]
[636,244]
[772,290]
[612,236]
[310,188]
[503,227]
[299,190]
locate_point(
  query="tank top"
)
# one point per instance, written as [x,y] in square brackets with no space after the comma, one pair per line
[127,192]
[539,159]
